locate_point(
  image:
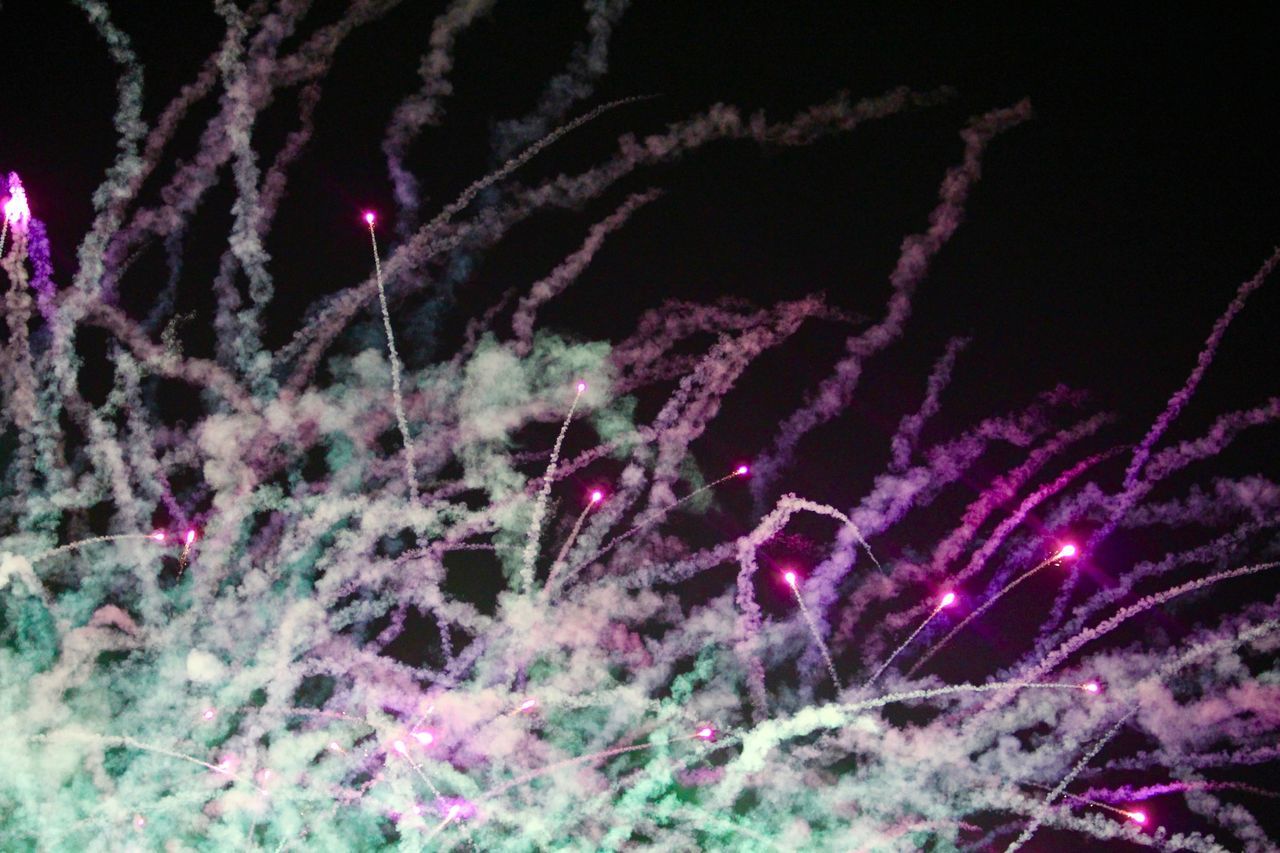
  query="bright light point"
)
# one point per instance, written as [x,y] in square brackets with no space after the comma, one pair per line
[424,738]
[454,811]
[1137,817]
[333,745]
[790,578]
[369,217]
[530,704]
[16,209]
[742,470]
[208,714]
[139,821]
[1091,687]
[158,536]
[191,536]
[706,733]
[582,387]
[401,747]
[597,496]
[1067,551]
[948,600]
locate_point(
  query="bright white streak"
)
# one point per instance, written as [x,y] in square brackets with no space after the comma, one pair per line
[410,472]
[4,232]
[655,517]
[813,631]
[986,605]
[568,543]
[540,506]
[1066,780]
[93,541]
[439,828]
[905,643]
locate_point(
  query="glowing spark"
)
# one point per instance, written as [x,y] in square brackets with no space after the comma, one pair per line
[191,537]
[528,705]
[1137,817]
[706,733]
[335,747]
[397,398]
[424,737]
[946,601]
[741,471]
[986,605]
[540,505]
[655,517]
[401,747]
[139,822]
[790,577]
[1091,687]
[16,211]
[158,536]
[597,496]
[369,218]
[208,714]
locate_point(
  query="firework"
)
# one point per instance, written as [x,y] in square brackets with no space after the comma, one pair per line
[361,656]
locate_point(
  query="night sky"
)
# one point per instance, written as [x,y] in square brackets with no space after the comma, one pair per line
[1105,237]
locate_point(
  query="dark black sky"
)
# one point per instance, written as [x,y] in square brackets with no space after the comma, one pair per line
[1106,236]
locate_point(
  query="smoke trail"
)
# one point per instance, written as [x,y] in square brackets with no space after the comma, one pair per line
[833,395]
[908,434]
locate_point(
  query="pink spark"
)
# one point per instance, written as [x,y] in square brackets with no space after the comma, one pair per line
[706,733]
[401,747]
[948,600]
[530,704]
[1091,687]
[208,714]
[158,536]
[582,387]
[790,578]
[425,738]
[1137,817]
[16,209]
[1067,551]
[191,536]
[597,496]
[369,218]
[742,470]
[139,821]
[333,745]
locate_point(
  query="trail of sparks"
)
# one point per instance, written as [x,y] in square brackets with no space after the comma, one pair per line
[397,398]
[1066,551]
[790,578]
[946,601]
[544,494]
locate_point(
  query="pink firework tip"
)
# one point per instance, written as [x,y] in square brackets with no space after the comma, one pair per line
[742,470]
[426,738]
[400,746]
[790,578]
[1068,550]
[1137,817]
[191,536]
[597,496]
[947,600]
[707,733]
[582,387]
[528,705]
[1091,687]
[208,714]
[370,218]
[16,209]
[158,536]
